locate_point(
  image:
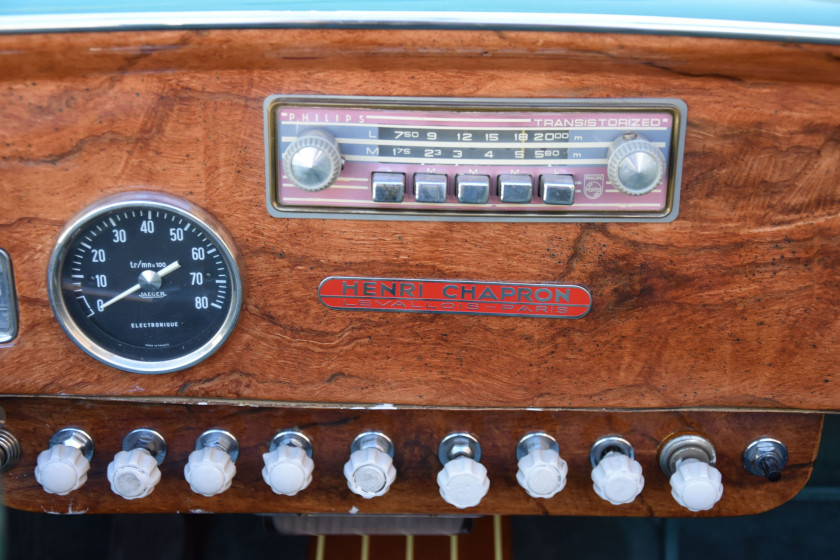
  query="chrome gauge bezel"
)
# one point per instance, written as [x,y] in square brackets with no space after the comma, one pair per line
[153,201]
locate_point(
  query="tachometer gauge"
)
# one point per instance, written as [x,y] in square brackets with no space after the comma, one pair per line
[145,282]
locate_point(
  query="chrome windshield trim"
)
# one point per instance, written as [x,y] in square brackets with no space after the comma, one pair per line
[421,19]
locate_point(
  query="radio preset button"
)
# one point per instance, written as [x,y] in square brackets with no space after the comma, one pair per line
[517,189]
[557,189]
[387,187]
[472,189]
[430,187]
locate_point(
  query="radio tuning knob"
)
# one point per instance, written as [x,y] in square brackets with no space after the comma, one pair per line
[634,165]
[312,161]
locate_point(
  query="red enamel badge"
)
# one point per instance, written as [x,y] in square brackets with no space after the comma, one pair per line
[559,301]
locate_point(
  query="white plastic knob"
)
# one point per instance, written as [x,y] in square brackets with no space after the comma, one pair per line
[542,473]
[370,472]
[288,470]
[133,474]
[61,469]
[463,482]
[209,471]
[696,485]
[617,478]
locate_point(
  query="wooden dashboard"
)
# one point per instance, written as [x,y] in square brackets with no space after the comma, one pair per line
[724,321]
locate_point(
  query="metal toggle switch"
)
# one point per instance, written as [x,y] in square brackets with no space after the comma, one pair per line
[766,457]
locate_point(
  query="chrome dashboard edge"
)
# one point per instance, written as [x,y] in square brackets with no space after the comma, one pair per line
[421,19]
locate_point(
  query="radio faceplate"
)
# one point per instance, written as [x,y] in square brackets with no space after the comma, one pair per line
[581,160]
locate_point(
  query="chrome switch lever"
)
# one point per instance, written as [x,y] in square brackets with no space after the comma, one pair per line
[766,457]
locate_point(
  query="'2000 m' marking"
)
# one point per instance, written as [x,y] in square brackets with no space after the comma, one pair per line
[461,297]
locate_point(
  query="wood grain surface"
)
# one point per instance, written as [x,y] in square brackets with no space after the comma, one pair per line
[732,305]
[416,434]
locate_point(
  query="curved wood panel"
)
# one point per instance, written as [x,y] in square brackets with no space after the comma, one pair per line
[733,304]
[416,434]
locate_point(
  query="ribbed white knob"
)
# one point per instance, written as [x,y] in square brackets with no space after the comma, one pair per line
[209,471]
[370,472]
[61,469]
[542,473]
[617,478]
[463,482]
[133,474]
[288,470]
[696,485]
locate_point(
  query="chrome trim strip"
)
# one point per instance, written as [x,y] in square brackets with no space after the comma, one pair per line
[9,293]
[460,20]
[356,405]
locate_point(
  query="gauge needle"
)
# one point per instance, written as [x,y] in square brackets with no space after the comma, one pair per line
[154,276]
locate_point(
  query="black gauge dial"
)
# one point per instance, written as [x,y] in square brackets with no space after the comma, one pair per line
[145,282]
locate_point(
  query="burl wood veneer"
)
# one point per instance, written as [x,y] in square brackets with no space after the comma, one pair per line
[733,304]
